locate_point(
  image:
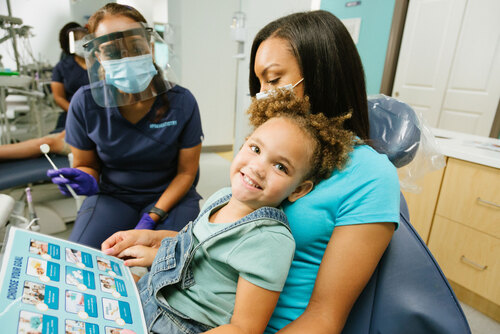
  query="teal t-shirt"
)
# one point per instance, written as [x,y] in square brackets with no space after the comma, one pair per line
[365,191]
[260,252]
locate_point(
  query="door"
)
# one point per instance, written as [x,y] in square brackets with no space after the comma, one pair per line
[429,39]
[473,90]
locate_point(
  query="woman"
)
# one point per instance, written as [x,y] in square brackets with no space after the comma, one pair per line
[136,139]
[343,226]
[70,73]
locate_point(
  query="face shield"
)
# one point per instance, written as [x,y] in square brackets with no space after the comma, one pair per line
[121,67]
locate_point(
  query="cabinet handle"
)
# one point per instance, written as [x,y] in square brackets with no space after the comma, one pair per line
[472,263]
[479,199]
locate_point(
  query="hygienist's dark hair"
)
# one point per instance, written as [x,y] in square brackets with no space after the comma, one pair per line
[334,78]
[114,9]
[64,35]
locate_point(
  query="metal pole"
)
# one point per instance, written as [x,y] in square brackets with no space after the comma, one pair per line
[4,120]
[14,40]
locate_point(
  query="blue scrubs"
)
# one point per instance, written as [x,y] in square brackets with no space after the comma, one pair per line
[72,76]
[138,162]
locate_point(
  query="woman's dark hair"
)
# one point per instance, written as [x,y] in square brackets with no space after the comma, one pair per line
[79,32]
[334,79]
[63,35]
[115,9]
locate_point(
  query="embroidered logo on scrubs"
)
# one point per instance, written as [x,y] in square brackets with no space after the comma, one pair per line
[162,125]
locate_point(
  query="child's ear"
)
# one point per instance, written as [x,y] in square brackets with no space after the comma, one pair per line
[303,189]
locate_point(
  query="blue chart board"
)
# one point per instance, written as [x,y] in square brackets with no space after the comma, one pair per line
[53,286]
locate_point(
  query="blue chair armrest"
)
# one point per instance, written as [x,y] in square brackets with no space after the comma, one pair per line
[408,293]
[17,173]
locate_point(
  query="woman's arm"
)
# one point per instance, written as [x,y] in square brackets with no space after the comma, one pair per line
[350,259]
[59,95]
[187,168]
[122,240]
[31,148]
[252,309]
[87,161]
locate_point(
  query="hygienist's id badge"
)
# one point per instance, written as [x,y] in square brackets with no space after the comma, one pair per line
[53,286]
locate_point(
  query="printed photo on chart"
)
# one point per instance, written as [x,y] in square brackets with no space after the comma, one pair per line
[75,302]
[36,267]
[74,276]
[30,323]
[113,330]
[39,247]
[80,327]
[111,309]
[33,293]
[73,255]
[103,264]
[107,284]
[74,327]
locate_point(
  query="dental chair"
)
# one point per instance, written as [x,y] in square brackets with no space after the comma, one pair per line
[408,293]
[21,172]
[53,208]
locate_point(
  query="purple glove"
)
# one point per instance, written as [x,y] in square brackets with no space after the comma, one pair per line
[146,223]
[81,182]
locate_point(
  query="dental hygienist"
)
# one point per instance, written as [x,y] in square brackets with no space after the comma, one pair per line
[136,138]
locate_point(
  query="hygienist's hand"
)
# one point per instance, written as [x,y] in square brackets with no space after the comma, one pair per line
[146,223]
[140,256]
[81,182]
[122,240]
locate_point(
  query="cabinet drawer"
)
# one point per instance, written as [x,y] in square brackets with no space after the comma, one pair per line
[468,257]
[470,194]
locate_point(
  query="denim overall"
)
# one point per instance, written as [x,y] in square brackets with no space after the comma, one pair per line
[171,266]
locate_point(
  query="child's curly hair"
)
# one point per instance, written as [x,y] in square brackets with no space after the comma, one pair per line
[333,142]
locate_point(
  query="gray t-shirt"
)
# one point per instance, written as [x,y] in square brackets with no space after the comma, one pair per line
[260,252]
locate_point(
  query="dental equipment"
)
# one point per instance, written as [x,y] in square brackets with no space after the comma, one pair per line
[45,148]
[6,207]
[33,225]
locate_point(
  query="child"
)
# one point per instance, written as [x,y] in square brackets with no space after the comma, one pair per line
[230,264]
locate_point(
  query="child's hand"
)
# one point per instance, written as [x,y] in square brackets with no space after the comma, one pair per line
[141,256]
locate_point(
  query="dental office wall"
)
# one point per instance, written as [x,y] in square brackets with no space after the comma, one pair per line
[201,55]
[45,28]
[371,21]
[47,18]
[258,14]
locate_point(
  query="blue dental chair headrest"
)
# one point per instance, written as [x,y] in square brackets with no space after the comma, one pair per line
[394,129]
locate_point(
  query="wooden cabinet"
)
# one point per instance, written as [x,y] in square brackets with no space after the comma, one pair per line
[470,195]
[458,215]
[422,205]
[468,257]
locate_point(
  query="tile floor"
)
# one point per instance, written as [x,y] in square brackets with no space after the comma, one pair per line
[214,174]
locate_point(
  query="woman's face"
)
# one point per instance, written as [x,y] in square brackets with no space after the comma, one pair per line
[128,46]
[276,66]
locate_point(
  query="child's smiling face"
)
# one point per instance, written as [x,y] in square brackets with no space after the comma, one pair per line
[272,164]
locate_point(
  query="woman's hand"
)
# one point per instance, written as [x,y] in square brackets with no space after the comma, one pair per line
[140,256]
[146,223]
[120,241]
[81,182]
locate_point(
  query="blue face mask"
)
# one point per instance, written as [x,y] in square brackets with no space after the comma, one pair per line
[130,74]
